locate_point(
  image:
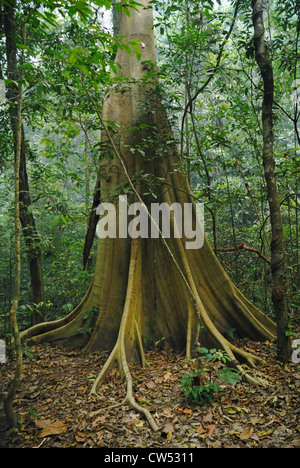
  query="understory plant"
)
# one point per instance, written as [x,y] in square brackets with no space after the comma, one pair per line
[198,384]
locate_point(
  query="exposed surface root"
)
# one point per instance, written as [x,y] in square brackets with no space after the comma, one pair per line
[48,331]
[256,381]
[129,336]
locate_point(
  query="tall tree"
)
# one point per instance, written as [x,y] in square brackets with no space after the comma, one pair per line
[8,401]
[150,289]
[31,236]
[278,256]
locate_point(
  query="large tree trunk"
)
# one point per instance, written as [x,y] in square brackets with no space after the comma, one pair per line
[31,237]
[147,290]
[278,255]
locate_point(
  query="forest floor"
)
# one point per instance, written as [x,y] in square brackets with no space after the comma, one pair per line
[54,406]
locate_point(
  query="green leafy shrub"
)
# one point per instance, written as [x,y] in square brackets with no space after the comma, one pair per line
[198,386]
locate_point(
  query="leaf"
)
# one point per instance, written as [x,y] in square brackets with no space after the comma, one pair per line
[208,416]
[139,423]
[126,47]
[236,410]
[99,420]
[247,433]
[187,411]
[167,412]
[10,82]
[57,427]
[266,433]
[126,11]
[150,385]
[136,49]
[81,8]
[118,7]
[211,429]
[168,376]
[42,423]
[73,58]
[168,430]
[80,437]
[231,410]
[56,54]
[55,221]
[201,430]
[114,68]
[144,401]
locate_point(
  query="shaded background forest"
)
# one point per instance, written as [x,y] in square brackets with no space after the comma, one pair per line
[220,139]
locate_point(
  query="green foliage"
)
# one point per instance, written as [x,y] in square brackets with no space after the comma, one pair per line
[198,386]
[126,6]
[213,355]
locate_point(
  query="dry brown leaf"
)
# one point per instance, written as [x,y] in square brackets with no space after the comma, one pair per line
[99,420]
[187,411]
[256,420]
[247,433]
[150,385]
[168,376]
[131,422]
[167,412]
[208,416]
[201,430]
[211,429]
[80,437]
[42,423]
[168,430]
[82,389]
[57,427]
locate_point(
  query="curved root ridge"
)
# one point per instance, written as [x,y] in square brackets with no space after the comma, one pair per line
[125,371]
[129,335]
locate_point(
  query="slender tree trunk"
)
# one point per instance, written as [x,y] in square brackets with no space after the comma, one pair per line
[87,175]
[278,254]
[234,238]
[297,142]
[92,221]
[8,402]
[31,237]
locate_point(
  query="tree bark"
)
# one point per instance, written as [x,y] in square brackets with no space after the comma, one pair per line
[8,401]
[92,221]
[278,256]
[31,237]
[150,290]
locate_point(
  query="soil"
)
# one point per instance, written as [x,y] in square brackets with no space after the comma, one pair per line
[55,409]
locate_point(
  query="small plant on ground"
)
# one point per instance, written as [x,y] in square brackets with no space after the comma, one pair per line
[198,384]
